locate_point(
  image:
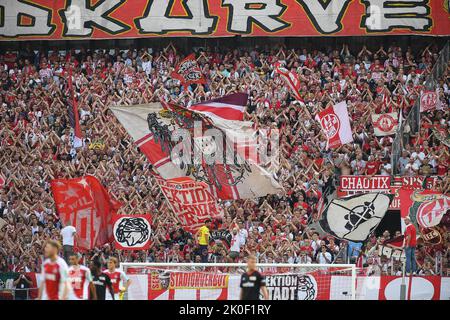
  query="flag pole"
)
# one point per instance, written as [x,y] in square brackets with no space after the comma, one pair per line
[403,284]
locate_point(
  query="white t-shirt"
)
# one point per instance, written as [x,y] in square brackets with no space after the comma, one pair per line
[67,234]
[236,242]
[244,235]
[321,257]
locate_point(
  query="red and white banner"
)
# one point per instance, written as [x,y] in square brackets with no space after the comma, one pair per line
[417,182]
[132,232]
[191,201]
[87,205]
[231,107]
[336,125]
[385,124]
[157,284]
[115,19]
[351,185]
[188,72]
[366,183]
[429,100]
[291,79]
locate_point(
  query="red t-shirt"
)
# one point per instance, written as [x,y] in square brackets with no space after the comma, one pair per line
[372,167]
[411,232]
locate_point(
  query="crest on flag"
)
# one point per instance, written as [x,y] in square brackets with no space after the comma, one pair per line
[354,218]
[425,208]
[330,124]
[335,123]
[188,71]
[132,232]
[429,100]
[385,124]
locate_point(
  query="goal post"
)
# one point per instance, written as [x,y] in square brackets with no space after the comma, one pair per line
[221,281]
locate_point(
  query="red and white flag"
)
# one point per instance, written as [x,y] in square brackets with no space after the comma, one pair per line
[336,125]
[385,124]
[257,182]
[291,79]
[429,100]
[188,72]
[87,205]
[190,201]
[231,107]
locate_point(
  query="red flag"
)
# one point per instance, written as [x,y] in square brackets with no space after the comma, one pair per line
[425,208]
[87,205]
[190,200]
[291,79]
[188,72]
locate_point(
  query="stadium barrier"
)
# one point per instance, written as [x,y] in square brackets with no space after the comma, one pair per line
[191,281]
[221,281]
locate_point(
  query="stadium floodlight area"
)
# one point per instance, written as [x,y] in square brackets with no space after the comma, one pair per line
[221,281]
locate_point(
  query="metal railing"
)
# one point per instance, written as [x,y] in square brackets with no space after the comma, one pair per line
[412,121]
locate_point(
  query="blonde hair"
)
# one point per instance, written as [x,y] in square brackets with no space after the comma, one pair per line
[115,261]
[54,244]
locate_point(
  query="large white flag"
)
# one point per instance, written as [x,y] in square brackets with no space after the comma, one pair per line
[226,181]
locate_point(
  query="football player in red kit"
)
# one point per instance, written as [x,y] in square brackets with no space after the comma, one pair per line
[117,276]
[55,284]
[80,278]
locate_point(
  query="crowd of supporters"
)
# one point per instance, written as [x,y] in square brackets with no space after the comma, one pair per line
[36,144]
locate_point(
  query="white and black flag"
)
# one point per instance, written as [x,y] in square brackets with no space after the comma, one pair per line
[354,218]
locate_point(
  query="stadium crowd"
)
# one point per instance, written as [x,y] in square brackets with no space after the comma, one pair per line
[36,144]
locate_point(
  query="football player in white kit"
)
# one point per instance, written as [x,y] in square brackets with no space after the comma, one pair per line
[119,279]
[81,281]
[55,285]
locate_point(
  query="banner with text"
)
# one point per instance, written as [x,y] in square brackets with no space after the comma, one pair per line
[108,19]
[350,185]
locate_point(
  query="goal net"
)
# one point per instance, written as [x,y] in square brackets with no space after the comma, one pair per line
[213,281]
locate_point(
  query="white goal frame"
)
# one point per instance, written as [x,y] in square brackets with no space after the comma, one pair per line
[351,267]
